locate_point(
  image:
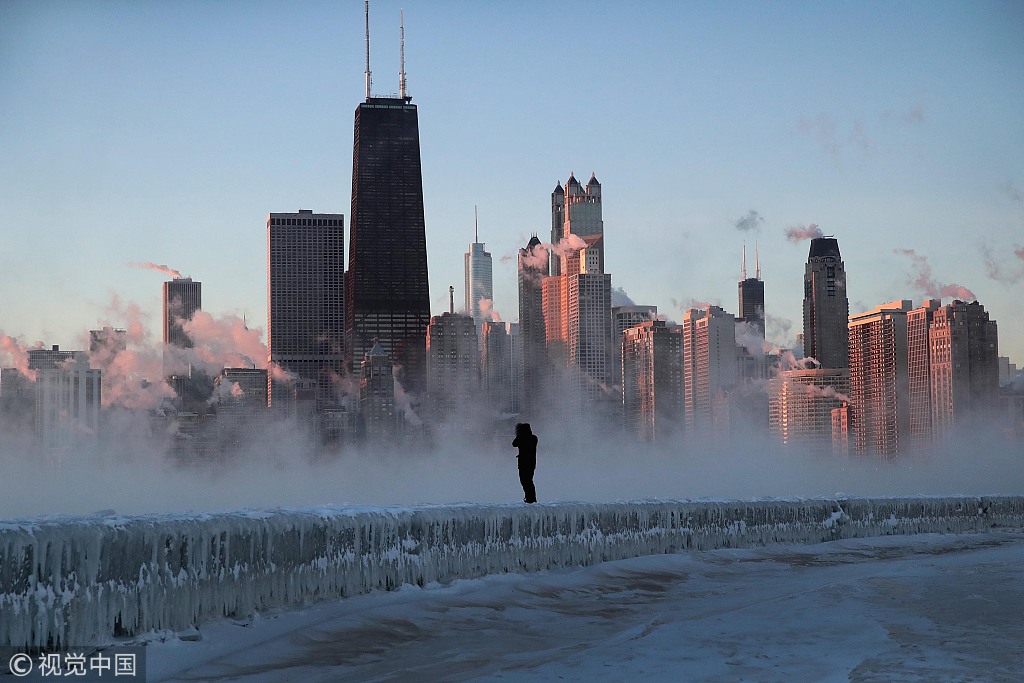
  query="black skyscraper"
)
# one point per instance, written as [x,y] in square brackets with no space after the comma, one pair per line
[386,283]
[826,308]
[306,299]
[751,296]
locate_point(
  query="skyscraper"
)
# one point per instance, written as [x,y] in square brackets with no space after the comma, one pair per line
[533,267]
[68,396]
[576,210]
[709,364]
[919,375]
[496,367]
[306,299]
[453,365]
[826,307]
[377,410]
[652,380]
[479,280]
[387,294]
[801,404]
[964,366]
[587,322]
[879,380]
[751,295]
[182,298]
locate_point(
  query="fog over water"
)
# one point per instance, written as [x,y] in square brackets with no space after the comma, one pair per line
[134,480]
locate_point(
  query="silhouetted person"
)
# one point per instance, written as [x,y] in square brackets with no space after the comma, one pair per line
[526,440]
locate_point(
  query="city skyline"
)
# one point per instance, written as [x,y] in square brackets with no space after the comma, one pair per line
[153,135]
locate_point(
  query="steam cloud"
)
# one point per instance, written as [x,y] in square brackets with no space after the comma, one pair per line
[835,138]
[778,328]
[801,233]
[14,355]
[166,270]
[749,337]
[1000,272]
[926,284]
[487,310]
[620,298]
[752,221]
[537,258]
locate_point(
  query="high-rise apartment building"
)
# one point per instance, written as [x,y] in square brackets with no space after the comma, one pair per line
[182,298]
[479,281]
[709,365]
[496,367]
[576,306]
[533,268]
[576,210]
[751,296]
[625,317]
[68,397]
[587,320]
[964,366]
[515,342]
[826,307]
[377,411]
[801,404]
[453,365]
[919,375]
[306,300]
[652,380]
[879,380]
[387,293]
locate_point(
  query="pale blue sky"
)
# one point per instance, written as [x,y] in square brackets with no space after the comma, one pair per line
[166,131]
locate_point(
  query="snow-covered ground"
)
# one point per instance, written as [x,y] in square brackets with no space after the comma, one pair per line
[902,608]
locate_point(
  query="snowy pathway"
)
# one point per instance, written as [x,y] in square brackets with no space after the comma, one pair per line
[923,608]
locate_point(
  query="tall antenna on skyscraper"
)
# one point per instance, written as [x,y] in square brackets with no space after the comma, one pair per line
[401,74]
[368,79]
[743,272]
[757,263]
[476,225]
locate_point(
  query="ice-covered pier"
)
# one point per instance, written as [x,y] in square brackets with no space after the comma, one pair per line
[92,580]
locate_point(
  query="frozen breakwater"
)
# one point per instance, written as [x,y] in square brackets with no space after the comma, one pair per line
[87,581]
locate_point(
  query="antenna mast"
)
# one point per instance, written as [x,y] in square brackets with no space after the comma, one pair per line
[743,272]
[368,79]
[401,74]
[476,225]
[757,263]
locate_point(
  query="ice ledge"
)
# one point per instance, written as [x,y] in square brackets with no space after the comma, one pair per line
[92,580]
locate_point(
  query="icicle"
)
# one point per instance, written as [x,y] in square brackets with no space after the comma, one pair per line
[87,581]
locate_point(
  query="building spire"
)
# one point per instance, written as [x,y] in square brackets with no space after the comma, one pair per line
[743,270]
[368,78]
[401,73]
[476,226]
[451,298]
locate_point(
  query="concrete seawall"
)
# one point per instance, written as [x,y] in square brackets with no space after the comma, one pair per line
[88,581]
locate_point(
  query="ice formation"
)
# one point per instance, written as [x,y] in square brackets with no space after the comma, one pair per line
[94,580]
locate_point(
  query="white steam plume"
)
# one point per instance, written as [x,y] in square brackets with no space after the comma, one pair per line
[922,279]
[801,233]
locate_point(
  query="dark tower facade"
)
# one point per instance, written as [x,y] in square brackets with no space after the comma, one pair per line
[751,296]
[826,308]
[182,298]
[306,298]
[533,268]
[386,283]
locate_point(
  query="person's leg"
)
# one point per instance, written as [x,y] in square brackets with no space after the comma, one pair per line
[526,479]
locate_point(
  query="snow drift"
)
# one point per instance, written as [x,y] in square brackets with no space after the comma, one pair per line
[90,581]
